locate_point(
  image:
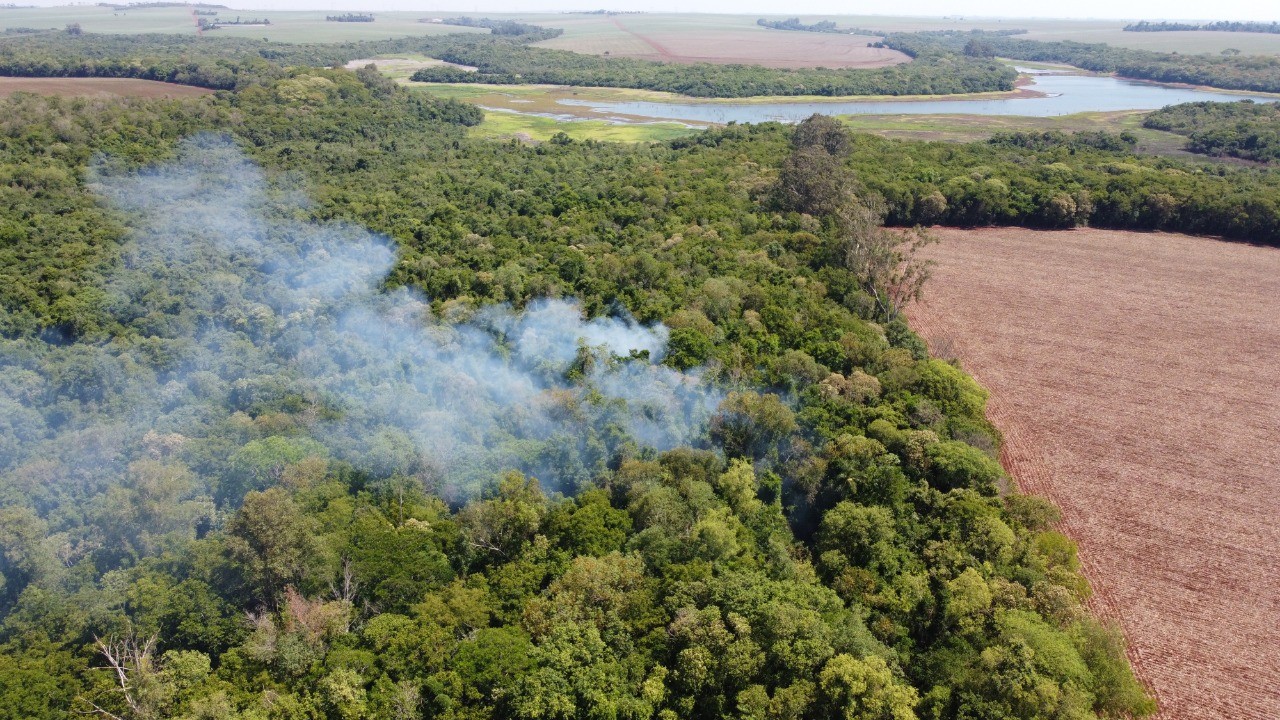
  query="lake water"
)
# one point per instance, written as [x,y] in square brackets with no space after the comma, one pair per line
[1067,94]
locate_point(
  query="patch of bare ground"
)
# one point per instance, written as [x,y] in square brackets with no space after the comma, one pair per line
[97,87]
[774,48]
[1136,379]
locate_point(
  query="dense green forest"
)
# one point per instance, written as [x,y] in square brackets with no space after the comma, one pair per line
[1245,129]
[938,73]
[317,408]
[217,63]
[1219,26]
[1057,180]
[228,64]
[220,64]
[1258,73]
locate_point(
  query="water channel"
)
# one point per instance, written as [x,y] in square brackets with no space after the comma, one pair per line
[1064,95]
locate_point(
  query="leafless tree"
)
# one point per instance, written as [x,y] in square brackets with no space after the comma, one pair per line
[131,660]
[887,262]
[347,586]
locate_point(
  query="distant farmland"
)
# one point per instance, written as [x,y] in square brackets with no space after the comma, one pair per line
[597,33]
[1135,379]
[97,87]
[687,41]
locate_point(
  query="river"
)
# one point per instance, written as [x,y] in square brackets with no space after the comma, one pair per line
[1064,95]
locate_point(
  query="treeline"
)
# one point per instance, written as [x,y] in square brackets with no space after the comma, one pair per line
[1245,129]
[507,28]
[1057,180]
[219,64]
[852,553]
[1258,73]
[822,26]
[1219,26]
[935,42]
[237,20]
[350,17]
[511,63]
[145,5]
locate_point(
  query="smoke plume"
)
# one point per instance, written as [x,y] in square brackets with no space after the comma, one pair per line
[229,303]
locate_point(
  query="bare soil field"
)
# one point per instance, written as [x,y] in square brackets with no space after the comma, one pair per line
[640,37]
[97,87]
[1135,378]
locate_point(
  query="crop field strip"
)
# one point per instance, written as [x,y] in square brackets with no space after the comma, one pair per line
[591,33]
[97,87]
[1133,376]
[722,42]
[595,33]
[286,26]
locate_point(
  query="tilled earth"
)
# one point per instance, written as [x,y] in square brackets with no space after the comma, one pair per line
[1136,378]
[97,87]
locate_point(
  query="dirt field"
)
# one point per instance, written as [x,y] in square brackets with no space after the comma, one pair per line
[1135,378]
[691,41]
[97,87]
[595,33]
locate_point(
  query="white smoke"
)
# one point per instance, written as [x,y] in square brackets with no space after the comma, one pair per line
[230,302]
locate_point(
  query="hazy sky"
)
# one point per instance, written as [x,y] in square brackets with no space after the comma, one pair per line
[1130,9]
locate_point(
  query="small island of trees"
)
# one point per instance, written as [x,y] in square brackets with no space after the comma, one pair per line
[1220,26]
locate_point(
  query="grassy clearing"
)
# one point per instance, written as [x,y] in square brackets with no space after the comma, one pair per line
[539,128]
[517,104]
[398,67]
[969,128]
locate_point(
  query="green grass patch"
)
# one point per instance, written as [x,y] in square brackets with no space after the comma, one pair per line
[540,128]
[970,128]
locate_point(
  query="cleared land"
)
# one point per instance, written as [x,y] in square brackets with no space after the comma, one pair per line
[680,36]
[1134,378]
[286,26]
[97,87]
[589,33]
[715,41]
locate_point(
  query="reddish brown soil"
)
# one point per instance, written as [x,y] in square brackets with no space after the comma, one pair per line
[774,48]
[1136,377]
[97,87]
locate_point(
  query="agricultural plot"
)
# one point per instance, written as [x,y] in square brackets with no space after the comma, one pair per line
[717,39]
[286,26]
[597,33]
[1134,378]
[97,87]
[1183,42]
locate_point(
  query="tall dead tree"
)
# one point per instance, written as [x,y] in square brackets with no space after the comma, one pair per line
[886,262]
[132,661]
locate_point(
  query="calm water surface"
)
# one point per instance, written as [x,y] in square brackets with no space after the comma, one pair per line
[1068,94]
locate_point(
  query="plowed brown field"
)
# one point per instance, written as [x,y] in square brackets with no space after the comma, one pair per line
[1136,377]
[96,87]
[641,37]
